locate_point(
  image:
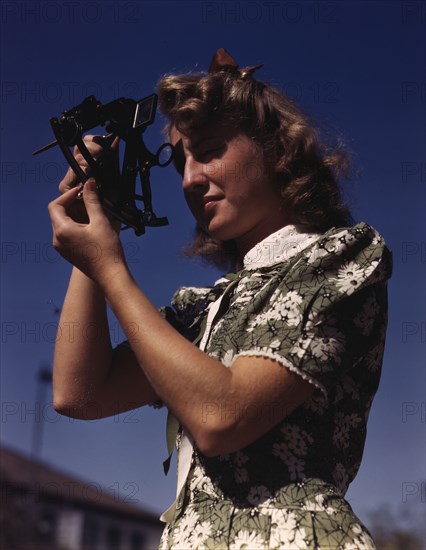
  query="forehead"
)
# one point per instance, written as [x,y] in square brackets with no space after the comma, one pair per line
[196,137]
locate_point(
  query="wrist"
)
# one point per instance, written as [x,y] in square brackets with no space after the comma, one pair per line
[115,280]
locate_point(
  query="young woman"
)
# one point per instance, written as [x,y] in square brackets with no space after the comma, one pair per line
[270,372]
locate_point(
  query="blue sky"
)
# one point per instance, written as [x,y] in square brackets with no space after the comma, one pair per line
[357,67]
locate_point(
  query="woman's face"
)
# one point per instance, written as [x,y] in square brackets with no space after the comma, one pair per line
[228,186]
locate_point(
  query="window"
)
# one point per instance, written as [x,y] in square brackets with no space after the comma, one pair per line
[114,538]
[46,527]
[90,534]
[137,541]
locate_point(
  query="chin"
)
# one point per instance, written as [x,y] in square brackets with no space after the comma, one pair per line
[221,232]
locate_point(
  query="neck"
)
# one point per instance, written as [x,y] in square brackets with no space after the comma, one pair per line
[247,241]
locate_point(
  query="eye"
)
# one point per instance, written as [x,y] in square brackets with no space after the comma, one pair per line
[179,163]
[210,151]
[179,158]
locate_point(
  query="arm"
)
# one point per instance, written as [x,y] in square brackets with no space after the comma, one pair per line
[188,381]
[90,379]
[224,409]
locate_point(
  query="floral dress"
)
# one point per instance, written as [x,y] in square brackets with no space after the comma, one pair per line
[316,304]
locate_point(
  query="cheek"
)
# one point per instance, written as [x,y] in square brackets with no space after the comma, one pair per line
[254,189]
[254,176]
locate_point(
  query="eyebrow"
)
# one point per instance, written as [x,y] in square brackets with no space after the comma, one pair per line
[200,141]
[196,144]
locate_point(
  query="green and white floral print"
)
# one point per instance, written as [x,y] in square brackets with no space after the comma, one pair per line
[317,304]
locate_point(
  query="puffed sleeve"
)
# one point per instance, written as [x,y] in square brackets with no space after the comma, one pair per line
[327,313]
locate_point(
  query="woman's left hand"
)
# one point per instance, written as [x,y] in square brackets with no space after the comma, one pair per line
[92,247]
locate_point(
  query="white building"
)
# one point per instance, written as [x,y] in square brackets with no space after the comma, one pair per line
[43,508]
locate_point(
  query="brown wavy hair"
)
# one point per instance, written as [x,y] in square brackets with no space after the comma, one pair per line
[308,170]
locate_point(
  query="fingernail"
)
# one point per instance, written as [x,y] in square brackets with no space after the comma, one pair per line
[80,191]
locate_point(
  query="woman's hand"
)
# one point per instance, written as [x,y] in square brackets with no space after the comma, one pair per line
[97,146]
[93,247]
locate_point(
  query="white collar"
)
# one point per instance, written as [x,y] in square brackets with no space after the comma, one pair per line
[278,247]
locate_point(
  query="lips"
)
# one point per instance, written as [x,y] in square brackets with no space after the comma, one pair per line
[203,205]
[210,198]
[209,203]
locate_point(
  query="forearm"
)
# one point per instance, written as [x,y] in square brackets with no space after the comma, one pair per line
[184,377]
[83,349]
[224,409]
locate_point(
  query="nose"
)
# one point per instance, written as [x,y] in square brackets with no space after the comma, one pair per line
[194,176]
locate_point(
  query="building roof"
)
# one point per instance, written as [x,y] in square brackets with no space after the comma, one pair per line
[19,472]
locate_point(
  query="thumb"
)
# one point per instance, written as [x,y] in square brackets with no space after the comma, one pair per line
[116,143]
[91,199]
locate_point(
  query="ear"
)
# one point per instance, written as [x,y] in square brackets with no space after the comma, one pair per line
[272,159]
[278,156]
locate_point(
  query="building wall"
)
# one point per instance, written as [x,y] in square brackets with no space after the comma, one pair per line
[101,532]
[39,523]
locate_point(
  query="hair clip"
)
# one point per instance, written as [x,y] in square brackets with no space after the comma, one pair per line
[223,62]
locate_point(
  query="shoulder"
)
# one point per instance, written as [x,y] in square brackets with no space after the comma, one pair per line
[340,263]
[350,240]
[359,251]
[190,302]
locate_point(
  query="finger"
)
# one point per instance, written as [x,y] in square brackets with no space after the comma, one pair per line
[97,147]
[109,147]
[115,143]
[69,196]
[104,141]
[109,162]
[94,144]
[58,207]
[70,180]
[91,200]
[67,183]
